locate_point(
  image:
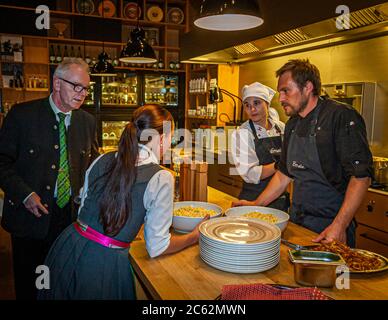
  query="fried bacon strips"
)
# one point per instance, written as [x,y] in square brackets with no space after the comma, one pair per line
[356,261]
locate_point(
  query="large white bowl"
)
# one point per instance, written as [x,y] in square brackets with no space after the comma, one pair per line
[187,224]
[282,216]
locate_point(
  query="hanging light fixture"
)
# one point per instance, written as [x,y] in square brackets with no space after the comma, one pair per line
[103,68]
[137,50]
[229,15]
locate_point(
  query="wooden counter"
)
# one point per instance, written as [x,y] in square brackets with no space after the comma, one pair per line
[184,275]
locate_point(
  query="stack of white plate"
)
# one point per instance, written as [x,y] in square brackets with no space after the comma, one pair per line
[239,245]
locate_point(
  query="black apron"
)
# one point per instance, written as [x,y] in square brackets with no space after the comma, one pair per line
[315,201]
[268,150]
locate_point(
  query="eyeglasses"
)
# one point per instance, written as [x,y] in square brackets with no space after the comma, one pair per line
[76,86]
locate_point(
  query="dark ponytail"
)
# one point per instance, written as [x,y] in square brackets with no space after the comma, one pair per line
[116,202]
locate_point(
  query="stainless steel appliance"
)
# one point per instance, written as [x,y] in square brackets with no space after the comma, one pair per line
[360,95]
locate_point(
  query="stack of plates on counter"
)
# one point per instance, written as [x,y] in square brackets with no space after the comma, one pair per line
[239,245]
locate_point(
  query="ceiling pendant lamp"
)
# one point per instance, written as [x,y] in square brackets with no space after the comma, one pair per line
[103,68]
[137,50]
[229,15]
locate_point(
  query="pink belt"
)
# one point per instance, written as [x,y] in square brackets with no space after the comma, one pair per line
[93,235]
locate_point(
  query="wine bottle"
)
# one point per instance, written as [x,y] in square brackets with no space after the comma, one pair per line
[161,64]
[72,53]
[52,54]
[65,53]
[59,55]
[79,54]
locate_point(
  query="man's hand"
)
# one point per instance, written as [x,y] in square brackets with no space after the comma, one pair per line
[34,205]
[332,232]
[240,203]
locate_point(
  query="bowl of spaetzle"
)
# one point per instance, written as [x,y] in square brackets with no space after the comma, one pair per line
[270,215]
[187,214]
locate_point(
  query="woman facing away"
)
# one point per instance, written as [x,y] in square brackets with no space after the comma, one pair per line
[122,190]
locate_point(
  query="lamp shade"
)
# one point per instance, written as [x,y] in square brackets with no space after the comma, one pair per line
[137,49]
[103,67]
[229,15]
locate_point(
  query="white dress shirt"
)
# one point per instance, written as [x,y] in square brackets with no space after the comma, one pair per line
[158,200]
[243,149]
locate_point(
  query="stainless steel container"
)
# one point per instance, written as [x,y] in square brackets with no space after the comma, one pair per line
[315,268]
[380,166]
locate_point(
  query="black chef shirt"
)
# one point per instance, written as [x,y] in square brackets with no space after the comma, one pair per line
[341,142]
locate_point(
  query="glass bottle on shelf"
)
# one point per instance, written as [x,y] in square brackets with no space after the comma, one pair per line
[52,54]
[65,53]
[87,59]
[79,54]
[59,55]
[72,53]
[161,64]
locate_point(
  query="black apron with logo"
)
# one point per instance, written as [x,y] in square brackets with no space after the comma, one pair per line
[315,201]
[267,150]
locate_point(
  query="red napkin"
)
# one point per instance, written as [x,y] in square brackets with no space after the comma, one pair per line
[260,291]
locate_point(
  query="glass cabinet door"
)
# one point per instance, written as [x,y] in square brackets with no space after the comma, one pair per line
[89,99]
[111,133]
[119,91]
[161,89]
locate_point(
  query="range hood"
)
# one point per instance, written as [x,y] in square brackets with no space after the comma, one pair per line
[363,24]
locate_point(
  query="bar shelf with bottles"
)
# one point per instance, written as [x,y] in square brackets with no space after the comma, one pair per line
[120,90]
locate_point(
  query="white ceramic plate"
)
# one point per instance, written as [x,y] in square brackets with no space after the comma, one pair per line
[240,231]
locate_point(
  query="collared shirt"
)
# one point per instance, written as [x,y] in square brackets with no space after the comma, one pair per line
[243,149]
[56,111]
[158,200]
[67,124]
[341,142]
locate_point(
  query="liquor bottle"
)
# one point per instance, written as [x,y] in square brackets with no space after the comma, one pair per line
[87,59]
[115,62]
[59,55]
[65,53]
[79,54]
[52,54]
[72,53]
[161,64]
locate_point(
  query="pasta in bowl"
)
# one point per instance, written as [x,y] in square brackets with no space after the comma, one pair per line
[270,215]
[187,214]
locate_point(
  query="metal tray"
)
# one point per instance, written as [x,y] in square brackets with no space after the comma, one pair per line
[315,257]
[315,268]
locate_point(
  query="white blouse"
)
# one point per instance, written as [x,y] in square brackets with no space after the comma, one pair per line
[158,200]
[243,149]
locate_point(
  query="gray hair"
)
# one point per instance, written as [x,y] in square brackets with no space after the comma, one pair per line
[65,65]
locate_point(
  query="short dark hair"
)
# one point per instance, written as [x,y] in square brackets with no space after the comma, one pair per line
[302,71]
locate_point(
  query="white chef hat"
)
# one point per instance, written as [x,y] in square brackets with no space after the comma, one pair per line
[258,90]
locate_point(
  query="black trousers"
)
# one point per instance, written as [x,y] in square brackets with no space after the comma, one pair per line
[28,253]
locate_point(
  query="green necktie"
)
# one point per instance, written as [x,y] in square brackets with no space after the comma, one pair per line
[63,180]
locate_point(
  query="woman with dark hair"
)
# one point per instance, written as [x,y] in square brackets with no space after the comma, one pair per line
[122,190]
